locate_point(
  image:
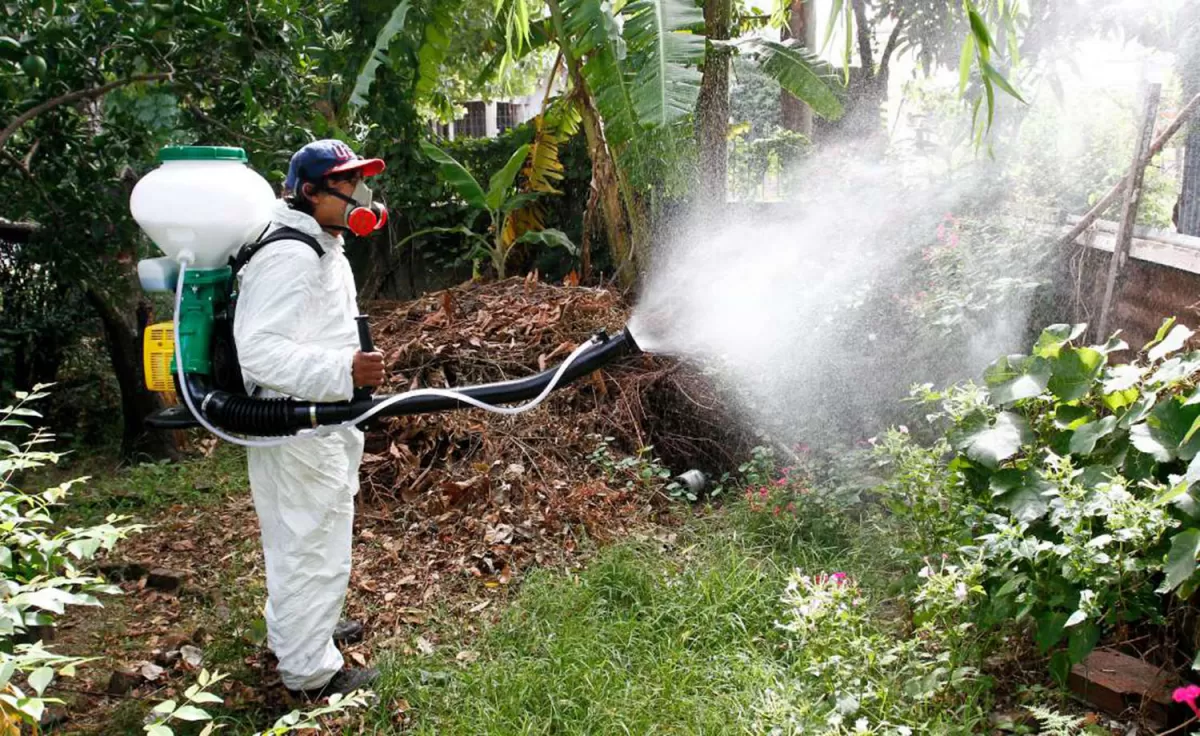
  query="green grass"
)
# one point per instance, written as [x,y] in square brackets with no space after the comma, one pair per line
[140,490]
[642,641]
[682,640]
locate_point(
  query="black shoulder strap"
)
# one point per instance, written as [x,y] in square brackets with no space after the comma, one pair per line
[282,233]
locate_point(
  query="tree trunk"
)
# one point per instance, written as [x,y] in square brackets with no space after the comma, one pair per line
[794,114]
[608,188]
[604,167]
[123,338]
[713,110]
[382,264]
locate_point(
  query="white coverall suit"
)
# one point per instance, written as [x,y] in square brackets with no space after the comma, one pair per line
[296,336]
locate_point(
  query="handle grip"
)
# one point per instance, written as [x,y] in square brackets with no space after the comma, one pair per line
[367,345]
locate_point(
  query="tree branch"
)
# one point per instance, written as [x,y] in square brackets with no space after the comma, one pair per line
[24,168]
[864,38]
[79,94]
[892,42]
[207,120]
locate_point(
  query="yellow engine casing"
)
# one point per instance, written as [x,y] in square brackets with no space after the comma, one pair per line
[158,350]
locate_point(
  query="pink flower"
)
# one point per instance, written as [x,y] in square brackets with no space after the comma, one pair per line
[1188,695]
[953,240]
[781,482]
[941,232]
[762,492]
[838,578]
[791,507]
[777,511]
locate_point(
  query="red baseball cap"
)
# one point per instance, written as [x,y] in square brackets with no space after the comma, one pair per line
[325,157]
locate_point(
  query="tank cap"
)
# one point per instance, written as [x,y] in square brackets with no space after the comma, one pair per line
[202,153]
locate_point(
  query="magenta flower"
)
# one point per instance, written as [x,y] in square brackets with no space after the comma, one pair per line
[839,578]
[1188,695]
[762,492]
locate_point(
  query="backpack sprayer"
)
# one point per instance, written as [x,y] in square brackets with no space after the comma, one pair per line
[200,207]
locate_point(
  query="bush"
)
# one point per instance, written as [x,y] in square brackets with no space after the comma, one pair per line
[856,672]
[1068,478]
[42,566]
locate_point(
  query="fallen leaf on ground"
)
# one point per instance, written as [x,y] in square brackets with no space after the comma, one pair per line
[424,646]
[151,671]
[191,656]
[466,657]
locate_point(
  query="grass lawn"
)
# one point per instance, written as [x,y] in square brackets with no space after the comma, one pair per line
[685,638]
[754,618]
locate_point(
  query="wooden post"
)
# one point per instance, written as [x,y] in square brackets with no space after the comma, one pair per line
[1129,207]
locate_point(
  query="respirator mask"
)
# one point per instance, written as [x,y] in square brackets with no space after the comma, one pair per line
[363,215]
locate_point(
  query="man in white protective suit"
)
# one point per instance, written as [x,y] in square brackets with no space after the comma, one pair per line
[296,336]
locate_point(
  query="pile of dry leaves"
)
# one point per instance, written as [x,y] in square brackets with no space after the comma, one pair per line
[484,495]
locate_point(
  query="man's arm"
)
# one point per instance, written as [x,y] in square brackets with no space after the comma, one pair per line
[277,286]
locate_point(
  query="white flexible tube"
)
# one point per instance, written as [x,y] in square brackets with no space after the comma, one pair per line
[276,442]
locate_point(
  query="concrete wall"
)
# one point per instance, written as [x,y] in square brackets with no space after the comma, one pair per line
[1161,279]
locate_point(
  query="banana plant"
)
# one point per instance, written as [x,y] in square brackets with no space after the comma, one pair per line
[501,201]
[634,67]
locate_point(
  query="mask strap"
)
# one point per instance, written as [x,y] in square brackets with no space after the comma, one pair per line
[339,195]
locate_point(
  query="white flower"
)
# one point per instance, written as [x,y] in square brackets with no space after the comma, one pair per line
[960,591]
[862,725]
[904,730]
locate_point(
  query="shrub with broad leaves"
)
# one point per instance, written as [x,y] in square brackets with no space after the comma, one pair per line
[1069,478]
[43,565]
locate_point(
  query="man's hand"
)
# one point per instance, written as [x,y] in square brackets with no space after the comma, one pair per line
[367,369]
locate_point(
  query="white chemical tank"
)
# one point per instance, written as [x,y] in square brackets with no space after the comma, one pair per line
[202,200]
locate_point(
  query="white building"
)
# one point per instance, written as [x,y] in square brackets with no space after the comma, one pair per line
[490,119]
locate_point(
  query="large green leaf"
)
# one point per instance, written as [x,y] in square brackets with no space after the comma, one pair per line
[1173,341]
[378,55]
[665,54]
[1012,378]
[1176,370]
[991,445]
[1167,432]
[1082,640]
[1070,416]
[456,175]
[1054,337]
[1121,378]
[1181,559]
[503,179]
[1139,409]
[799,71]
[1073,372]
[596,37]
[1083,441]
[549,237]
[1021,492]
[1050,628]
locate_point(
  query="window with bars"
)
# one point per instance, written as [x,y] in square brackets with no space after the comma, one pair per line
[507,116]
[473,124]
